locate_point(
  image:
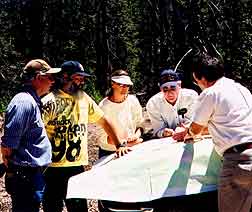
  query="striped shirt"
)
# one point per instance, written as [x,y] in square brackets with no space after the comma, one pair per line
[24,131]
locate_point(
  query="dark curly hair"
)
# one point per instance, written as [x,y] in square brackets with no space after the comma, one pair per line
[211,68]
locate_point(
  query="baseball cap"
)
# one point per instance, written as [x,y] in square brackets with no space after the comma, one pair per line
[39,66]
[168,78]
[73,67]
[123,79]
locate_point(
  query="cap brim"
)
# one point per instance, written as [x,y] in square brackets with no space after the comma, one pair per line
[169,84]
[82,74]
[125,80]
[53,71]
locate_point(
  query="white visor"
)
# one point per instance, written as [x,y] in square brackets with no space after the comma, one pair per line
[122,80]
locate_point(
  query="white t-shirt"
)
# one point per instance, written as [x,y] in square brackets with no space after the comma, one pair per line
[226,108]
[164,115]
[125,117]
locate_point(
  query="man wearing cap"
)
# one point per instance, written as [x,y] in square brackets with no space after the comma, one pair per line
[171,109]
[25,147]
[66,112]
[124,112]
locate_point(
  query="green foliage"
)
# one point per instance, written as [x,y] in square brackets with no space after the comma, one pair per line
[90,87]
[3,103]
[140,36]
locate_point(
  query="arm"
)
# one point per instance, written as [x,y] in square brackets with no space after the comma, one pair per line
[136,111]
[195,129]
[135,139]
[17,121]
[157,122]
[188,101]
[121,150]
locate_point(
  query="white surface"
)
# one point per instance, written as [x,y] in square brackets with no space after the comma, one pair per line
[157,168]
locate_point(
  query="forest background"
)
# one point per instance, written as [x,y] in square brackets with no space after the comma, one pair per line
[141,36]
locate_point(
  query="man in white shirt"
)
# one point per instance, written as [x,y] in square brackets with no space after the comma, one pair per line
[225,107]
[171,109]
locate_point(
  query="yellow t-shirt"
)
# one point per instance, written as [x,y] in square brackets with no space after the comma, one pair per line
[66,118]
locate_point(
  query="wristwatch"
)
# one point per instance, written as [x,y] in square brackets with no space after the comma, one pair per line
[124,144]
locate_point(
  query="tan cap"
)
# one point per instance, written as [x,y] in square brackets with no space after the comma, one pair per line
[39,66]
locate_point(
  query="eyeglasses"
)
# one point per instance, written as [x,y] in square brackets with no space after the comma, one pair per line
[171,88]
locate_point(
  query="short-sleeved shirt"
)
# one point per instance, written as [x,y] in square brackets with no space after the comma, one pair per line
[165,115]
[226,108]
[24,131]
[125,117]
[66,118]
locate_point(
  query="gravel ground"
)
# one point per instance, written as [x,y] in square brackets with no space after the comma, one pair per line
[5,201]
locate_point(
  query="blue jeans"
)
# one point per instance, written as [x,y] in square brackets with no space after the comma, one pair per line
[56,188]
[26,186]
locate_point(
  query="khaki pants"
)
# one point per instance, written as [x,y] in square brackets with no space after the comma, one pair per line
[235,185]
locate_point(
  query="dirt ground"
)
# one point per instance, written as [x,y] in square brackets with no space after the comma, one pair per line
[5,201]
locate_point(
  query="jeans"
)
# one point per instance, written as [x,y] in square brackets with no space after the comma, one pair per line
[56,188]
[235,186]
[26,187]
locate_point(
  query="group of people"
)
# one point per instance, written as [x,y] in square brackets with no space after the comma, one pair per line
[45,133]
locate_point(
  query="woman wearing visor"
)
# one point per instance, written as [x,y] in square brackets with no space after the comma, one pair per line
[171,109]
[123,111]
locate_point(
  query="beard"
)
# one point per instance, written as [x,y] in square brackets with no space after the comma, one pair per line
[75,88]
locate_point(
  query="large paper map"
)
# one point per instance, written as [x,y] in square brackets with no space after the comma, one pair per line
[154,169]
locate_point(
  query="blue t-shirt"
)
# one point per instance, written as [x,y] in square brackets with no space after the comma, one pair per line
[24,131]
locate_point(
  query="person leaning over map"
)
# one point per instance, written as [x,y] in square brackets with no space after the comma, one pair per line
[171,109]
[123,111]
[225,107]
[66,113]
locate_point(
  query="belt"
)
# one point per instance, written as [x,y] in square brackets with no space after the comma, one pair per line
[239,148]
[25,169]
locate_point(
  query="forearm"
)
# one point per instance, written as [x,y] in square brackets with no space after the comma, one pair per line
[195,129]
[109,129]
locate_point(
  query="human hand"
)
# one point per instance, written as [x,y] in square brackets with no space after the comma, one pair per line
[180,133]
[167,132]
[134,142]
[122,150]
[6,153]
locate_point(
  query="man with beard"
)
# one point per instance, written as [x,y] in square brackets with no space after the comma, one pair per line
[66,113]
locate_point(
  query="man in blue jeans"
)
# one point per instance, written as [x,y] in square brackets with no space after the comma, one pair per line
[26,150]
